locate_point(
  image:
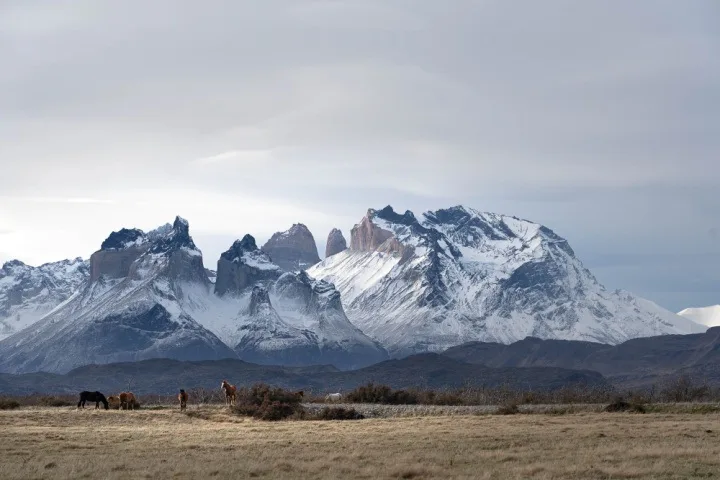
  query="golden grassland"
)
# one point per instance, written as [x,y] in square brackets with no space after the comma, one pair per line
[63,443]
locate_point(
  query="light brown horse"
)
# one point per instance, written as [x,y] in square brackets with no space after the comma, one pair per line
[183,398]
[127,399]
[230,391]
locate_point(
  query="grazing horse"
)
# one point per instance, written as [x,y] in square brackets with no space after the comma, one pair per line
[183,397]
[230,391]
[300,394]
[96,397]
[333,397]
[114,402]
[127,399]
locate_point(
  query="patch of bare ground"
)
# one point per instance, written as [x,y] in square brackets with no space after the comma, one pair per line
[210,442]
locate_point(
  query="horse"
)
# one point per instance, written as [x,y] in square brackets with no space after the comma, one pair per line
[128,400]
[183,398]
[299,394]
[333,397]
[230,391]
[96,397]
[114,402]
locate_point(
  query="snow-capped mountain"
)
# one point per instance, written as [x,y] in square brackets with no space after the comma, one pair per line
[29,293]
[273,317]
[132,308]
[708,316]
[459,275]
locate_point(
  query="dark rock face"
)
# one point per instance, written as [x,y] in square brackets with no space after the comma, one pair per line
[178,238]
[294,249]
[260,298]
[336,243]
[121,239]
[114,263]
[242,266]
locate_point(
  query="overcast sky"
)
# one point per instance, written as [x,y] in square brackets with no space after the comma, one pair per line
[600,119]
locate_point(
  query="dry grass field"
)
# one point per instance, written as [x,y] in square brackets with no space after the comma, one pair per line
[63,443]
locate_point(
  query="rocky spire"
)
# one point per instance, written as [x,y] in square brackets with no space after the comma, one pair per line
[294,249]
[336,243]
[244,265]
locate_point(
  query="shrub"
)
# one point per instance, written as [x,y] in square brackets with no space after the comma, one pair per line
[266,403]
[54,402]
[508,409]
[9,404]
[339,413]
[620,405]
[372,393]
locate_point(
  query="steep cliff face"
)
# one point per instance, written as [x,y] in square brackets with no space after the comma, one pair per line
[460,275]
[294,249]
[336,243]
[243,266]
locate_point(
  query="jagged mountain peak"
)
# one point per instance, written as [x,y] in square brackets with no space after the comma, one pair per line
[177,238]
[242,266]
[294,249]
[336,243]
[389,214]
[123,238]
[12,265]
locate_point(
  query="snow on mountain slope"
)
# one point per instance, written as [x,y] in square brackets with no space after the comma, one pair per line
[461,275]
[133,308]
[29,293]
[708,316]
[270,317]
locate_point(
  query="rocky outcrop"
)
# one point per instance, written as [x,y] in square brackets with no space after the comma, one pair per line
[366,236]
[336,243]
[242,266]
[294,249]
[383,231]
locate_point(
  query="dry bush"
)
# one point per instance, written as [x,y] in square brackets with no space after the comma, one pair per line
[619,405]
[682,389]
[266,403]
[338,413]
[53,401]
[6,404]
[508,409]
[372,393]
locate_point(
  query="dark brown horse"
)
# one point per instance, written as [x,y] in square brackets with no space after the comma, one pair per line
[183,397]
[96,397]
[230,391]
[127,400]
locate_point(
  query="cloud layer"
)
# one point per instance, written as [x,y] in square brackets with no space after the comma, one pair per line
[600,119]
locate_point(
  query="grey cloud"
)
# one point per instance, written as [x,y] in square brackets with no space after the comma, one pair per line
[601,119]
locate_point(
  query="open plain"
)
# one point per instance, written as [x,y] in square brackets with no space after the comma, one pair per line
[209,442]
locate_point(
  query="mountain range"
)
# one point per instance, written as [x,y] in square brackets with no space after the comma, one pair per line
[708,316]
[401,286]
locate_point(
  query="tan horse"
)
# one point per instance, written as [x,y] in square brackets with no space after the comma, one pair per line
[128,400]
[114,402]
[183,398]
[230,391]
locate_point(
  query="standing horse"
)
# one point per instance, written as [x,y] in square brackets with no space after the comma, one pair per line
[128,400]
[230,391]
[183,397]
[96,397]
